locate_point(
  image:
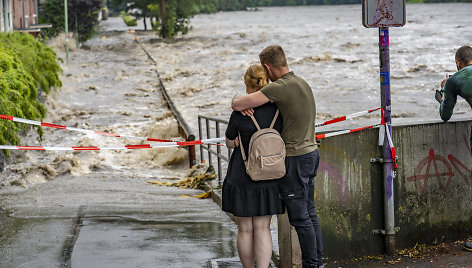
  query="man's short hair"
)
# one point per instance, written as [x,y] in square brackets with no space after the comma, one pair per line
[464,54]
[274,56]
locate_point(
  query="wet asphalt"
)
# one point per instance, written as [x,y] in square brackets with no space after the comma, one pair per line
[104,220]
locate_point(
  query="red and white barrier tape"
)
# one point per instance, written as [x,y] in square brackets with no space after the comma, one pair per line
[335,133]
[38,123]
[392,149]
[346,117]
[118,147]
[390,142]
[164,142]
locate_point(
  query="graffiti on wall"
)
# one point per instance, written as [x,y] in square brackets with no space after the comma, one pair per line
[335,176]
[438,169]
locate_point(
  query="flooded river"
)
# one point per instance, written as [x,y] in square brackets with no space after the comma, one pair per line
[326,45]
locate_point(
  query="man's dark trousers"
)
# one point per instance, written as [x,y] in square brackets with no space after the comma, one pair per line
[297,189]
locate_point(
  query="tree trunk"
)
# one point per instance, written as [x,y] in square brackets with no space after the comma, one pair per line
[144,21]
[162,6]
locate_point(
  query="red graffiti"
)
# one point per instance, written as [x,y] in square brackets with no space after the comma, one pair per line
[456,163]
[439,168]
[442,172]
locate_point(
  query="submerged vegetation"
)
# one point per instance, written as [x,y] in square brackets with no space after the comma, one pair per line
[129,21]
[26,67]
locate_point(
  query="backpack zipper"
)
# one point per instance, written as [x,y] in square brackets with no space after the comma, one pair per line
[250,145]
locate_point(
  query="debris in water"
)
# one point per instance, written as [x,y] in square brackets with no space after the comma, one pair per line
[190,182]
[200,196]
[198,174]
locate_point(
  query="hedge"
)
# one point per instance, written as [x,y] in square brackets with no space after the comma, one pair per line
[26,67]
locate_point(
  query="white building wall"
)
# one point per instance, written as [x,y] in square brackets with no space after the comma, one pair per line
[2,21]
[6,16]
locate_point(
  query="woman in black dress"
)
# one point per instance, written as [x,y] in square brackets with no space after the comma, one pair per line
[252,202]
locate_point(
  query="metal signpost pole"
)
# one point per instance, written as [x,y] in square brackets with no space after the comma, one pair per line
[387,154]
[381,15]
[66,25]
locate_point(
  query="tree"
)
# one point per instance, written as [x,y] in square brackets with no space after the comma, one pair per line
[174,16]
[140,10]
[162,9]
[83,17]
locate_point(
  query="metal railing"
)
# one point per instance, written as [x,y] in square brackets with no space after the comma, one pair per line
[212,129]
[184,129]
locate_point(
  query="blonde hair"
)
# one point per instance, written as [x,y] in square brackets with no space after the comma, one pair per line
[255,77]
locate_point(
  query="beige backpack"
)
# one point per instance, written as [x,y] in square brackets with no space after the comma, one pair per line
[266,156]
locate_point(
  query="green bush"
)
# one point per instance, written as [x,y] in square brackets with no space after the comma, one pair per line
[129,21]
[39,60]
[26,65]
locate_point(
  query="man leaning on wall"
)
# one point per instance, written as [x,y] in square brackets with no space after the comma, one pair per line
[459,84]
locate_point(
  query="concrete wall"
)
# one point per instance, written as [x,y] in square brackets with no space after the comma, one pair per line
[432,190]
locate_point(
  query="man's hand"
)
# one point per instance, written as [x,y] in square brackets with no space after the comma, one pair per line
[443,83]
[245,102]
[236,142]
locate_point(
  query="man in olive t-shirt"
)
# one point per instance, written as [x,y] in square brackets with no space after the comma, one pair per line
[296,103]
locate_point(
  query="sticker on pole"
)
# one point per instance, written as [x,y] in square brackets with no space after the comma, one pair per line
[383,13]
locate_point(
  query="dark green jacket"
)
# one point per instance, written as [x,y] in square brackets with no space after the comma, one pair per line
[460,84]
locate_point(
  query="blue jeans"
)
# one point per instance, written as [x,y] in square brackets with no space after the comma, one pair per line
[297,190]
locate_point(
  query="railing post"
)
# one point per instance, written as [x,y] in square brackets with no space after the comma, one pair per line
[192,158]
[218,152]
[200,136]
[208,137]
[290,255]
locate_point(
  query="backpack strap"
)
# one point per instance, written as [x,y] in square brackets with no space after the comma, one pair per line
[258,128]
[275,118]
[242,148]
[255,122]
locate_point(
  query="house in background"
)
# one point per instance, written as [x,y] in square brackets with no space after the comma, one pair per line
[6,24]
[20,15]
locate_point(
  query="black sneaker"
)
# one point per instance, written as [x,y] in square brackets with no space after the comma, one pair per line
[468,246]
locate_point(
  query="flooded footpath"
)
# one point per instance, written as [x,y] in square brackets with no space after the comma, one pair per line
[95,208]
